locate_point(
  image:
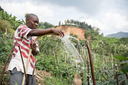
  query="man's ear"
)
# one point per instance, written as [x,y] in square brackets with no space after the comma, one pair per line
[27,21]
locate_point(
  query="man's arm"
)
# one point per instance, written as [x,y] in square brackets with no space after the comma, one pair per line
[40,32]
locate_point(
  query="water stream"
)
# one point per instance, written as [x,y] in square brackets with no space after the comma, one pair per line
[71,50]
[75,56]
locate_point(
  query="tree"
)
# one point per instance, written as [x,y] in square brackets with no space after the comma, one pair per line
[45,25]
[124,40]
[1,9]
[12,19]
[5,26]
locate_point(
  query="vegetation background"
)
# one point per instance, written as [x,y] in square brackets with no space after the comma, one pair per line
[106,53]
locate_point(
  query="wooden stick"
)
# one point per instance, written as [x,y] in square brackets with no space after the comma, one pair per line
[84,59]
[2,74]
[81,74]
[23,65]
[68,71]
[117,75]
[91,63]
[55,59]
[27,62]
[33,73]
[88,71]
[30,51]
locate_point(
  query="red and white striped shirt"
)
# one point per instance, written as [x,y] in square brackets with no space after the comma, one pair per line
[23,41]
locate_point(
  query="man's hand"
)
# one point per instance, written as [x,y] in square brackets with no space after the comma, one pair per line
[58,32]
[34,51]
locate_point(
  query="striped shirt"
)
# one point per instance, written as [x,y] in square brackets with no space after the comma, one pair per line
[23,41]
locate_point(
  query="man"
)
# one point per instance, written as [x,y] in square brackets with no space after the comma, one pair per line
[24,37]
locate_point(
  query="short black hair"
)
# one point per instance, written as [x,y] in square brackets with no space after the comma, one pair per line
[30,15]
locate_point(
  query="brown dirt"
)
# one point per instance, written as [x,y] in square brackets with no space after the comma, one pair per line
[40,75]
[73,30]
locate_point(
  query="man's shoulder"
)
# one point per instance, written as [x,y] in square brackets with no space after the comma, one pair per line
[22,26]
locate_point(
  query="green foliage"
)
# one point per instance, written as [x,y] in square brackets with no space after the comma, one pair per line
[54,59]
[51,59]
[123,65]
[76,23]
[73,35]
[92,34]
[45,25]
[105,75]
[5,26]
[26,15]
[125,68]
[1,8]
[11,19]
[123,40]
[54,81]
[6,41]
[121,57]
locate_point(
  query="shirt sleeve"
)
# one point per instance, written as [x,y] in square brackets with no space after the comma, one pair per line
[23,32]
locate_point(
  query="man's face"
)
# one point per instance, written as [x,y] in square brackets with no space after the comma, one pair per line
[32,22]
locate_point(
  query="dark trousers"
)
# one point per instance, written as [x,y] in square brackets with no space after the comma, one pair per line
[16,78]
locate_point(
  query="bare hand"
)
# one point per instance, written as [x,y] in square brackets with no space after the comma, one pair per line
[34,51]
[58,32]
[33,46]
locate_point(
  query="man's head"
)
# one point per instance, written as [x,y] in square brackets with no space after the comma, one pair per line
[32,21]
